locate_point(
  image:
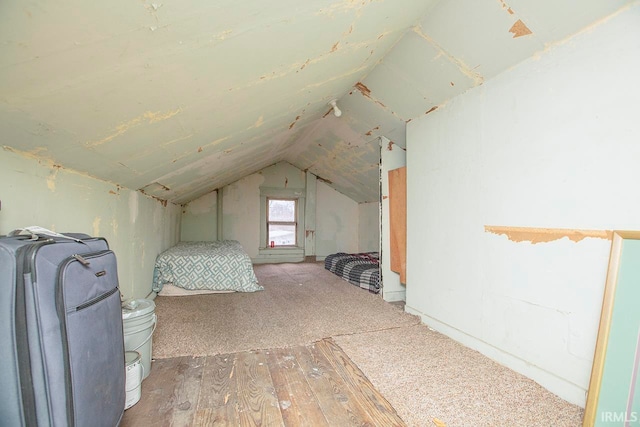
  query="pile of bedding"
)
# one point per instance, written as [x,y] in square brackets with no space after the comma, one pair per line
[362,270]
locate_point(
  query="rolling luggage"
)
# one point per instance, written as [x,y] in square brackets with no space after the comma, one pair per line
[61,338]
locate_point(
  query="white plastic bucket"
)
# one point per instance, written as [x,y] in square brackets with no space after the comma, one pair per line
[139,321]
[133,369]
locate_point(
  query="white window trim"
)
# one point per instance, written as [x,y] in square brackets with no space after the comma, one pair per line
[294,222]
[282,193]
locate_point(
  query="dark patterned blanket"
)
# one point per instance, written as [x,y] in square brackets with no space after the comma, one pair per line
[361,270]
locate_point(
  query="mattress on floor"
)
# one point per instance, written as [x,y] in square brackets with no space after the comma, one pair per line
[362,269]
[218,266]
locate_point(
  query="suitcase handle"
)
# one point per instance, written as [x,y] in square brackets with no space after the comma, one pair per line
[21,232]
[34,232]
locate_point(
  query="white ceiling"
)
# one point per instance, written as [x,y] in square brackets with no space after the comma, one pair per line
[178,98]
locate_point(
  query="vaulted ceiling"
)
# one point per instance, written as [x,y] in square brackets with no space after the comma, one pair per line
[178,98]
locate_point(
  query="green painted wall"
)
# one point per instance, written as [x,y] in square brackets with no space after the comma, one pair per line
[36,192]
[369,227]
[336,222]
[242,215]
[283,175]
[200,219]
[336,215]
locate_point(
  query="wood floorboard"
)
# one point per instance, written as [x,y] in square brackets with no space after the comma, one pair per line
[257,401]
[218,402]
[314,385]
[334,404]
[349,411]
[361,389]
[169,394]
[298,402]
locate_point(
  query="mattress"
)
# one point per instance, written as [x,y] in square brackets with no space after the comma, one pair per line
[362,269]
[218,266]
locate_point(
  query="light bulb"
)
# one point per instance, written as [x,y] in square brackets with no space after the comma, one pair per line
[336,111]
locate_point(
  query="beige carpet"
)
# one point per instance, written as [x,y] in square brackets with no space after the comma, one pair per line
[424,375]
[301,303]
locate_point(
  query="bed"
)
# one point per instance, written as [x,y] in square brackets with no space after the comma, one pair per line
[362,270]
[216,266]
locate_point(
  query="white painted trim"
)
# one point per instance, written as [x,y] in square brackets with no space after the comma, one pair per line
[291,193]
[276,255]
[320,258]
[310,215]
[393,296]
[559,386]
[281,251]
[277,260]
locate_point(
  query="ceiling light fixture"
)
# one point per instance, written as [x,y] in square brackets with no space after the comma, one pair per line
[336,111]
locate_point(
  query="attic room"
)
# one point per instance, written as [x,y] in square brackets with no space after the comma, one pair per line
[156,123]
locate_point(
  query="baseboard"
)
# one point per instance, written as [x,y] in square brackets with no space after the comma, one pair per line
[392,296]
[566,390]
[277,260]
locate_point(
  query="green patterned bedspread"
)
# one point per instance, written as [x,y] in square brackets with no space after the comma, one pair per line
[220,266]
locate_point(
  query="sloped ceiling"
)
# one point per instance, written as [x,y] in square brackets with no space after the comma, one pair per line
[178,98]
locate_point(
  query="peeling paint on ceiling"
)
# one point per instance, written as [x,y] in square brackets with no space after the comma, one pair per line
[176,99]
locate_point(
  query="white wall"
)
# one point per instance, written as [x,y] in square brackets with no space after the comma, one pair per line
[137,227]
[392,157]
[336,222]
[551,143]
[199,219]
[369,227]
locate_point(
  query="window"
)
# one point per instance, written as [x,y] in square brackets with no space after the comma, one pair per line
[281,222]
[282,226]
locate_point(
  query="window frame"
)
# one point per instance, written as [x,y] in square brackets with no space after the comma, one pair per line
[294,222]
[282,253]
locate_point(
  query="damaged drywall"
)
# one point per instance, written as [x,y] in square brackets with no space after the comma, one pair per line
[519,29]
[86,205]
[148,117]
[112,107]
[543,235]
[486,190]
[90,99]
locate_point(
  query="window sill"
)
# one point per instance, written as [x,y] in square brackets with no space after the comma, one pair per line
[289,250]
[281,254]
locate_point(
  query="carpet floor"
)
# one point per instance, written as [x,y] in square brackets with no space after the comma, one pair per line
[429,379]
[427,376]
[301,303]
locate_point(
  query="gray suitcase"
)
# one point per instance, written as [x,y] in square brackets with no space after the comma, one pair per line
[61,338]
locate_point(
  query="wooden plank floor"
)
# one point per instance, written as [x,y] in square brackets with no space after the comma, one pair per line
[315,385]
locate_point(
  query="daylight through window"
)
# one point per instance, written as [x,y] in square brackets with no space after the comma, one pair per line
[281,222]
